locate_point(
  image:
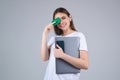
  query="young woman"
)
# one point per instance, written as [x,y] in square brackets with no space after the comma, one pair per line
[48,51]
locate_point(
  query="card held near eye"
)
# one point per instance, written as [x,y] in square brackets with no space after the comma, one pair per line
[70,46]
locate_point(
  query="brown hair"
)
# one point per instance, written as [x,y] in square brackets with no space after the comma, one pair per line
[62,10]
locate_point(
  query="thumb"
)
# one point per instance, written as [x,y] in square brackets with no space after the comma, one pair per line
[53,23]
[58,46]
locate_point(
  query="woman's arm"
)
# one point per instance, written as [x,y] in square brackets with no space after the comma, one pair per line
[81,62]
[45,50]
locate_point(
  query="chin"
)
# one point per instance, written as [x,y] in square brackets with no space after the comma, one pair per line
[64,29]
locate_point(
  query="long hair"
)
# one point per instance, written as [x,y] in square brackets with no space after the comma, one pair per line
[62,10]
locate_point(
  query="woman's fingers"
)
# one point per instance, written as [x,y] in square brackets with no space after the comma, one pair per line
[58,46]
[49,27]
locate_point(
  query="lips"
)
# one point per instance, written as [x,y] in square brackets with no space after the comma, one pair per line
[62,25]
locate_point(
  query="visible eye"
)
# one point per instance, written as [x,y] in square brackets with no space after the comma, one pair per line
[63,17]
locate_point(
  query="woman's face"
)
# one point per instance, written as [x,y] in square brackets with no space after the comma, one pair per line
[65,21]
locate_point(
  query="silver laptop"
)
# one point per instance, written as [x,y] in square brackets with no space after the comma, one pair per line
[70,46]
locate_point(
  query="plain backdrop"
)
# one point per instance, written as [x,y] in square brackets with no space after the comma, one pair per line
[22,23]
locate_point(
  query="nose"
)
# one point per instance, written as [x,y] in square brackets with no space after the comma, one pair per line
[61,20]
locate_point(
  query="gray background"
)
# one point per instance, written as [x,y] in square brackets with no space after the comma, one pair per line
[22,23]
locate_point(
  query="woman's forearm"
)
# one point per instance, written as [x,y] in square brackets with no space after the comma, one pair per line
[77,62]
[44,49]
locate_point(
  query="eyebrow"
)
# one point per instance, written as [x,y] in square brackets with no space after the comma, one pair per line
[62,17]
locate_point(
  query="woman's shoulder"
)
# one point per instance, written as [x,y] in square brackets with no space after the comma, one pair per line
[78,33]
[54,36]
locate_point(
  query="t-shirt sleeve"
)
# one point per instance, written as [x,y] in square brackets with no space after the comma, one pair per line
[83,43]
[51,41]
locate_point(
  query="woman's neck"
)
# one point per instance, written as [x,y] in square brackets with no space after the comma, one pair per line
[66,32]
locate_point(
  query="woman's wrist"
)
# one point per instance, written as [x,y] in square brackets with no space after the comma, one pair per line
[63,55]
[45,32]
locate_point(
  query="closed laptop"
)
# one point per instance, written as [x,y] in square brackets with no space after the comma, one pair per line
[70,46]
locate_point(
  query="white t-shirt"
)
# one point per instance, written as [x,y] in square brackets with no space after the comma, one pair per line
[50,70]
